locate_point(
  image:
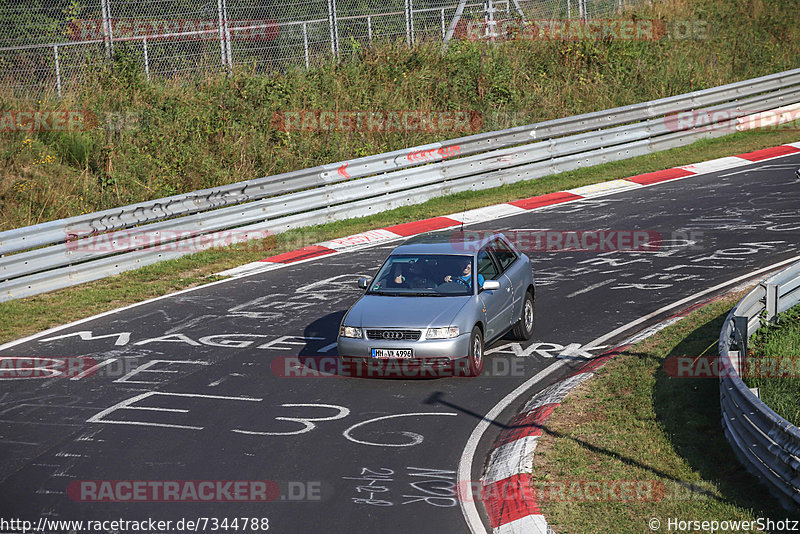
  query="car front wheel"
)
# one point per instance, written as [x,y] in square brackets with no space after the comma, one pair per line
[476,352]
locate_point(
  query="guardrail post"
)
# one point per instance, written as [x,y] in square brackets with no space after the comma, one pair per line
[58,70]
[772,301]
[740,334]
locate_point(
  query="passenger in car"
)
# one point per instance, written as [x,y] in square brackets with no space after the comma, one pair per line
[466,276]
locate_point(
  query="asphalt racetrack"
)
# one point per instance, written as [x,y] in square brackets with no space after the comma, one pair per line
[194,386]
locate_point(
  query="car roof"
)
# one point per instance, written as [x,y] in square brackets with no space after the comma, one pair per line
[458,242]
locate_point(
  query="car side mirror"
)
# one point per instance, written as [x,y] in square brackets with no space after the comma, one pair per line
[490,285]
[363,283]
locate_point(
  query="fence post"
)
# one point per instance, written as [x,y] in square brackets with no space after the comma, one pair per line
[108,32]
[305,42]
[453,23]
[491,32]
[369,29]
[146,59]
[333,23]
[228,52]
[569,9]
[443,28]
[410,22]
[58,70]
[223,54]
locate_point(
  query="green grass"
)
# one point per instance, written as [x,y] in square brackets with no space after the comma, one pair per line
[19,318]
[192,133]
[632,422]
[777,376]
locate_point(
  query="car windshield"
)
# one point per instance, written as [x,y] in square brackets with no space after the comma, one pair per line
[434,275]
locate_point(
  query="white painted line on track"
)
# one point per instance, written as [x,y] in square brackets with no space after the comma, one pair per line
[591,288]
[468,507]
[757,169]
[93,368]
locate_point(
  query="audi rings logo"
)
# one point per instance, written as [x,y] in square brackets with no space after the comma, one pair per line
[392,335]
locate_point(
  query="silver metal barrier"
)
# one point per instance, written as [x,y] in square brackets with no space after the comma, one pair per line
[766,443]
[55,254]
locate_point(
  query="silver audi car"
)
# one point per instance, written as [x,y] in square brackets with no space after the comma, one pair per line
[437,299]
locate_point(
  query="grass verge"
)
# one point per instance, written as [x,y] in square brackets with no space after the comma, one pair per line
[143,140]
[776,377]
[633,422]
[23,317]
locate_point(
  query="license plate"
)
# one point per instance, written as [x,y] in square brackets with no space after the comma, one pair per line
[392,353]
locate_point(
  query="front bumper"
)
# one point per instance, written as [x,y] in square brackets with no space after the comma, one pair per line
[430,349]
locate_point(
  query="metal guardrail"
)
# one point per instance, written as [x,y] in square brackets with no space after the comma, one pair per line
[765,443]
[51,255]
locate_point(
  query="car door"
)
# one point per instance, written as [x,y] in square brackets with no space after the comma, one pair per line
[497,303]
[514,270]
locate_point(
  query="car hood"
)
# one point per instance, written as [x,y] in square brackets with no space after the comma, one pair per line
[405,312]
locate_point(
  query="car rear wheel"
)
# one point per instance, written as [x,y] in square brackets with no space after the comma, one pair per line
[523,330]
[476,352]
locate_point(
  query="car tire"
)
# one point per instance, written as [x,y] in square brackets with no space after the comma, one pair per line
[475,359]
[523,330]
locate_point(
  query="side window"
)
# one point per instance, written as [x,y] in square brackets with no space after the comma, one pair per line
[505,256]
[486,266]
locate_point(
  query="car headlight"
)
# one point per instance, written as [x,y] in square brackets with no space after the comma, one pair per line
[350,331]
[442,333]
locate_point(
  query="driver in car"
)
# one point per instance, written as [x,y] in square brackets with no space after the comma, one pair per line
[397,279]
[466,276]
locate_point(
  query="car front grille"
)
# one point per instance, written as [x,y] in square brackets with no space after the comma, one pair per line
[394,335]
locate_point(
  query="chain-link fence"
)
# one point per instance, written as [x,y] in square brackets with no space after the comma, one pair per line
[55,43]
